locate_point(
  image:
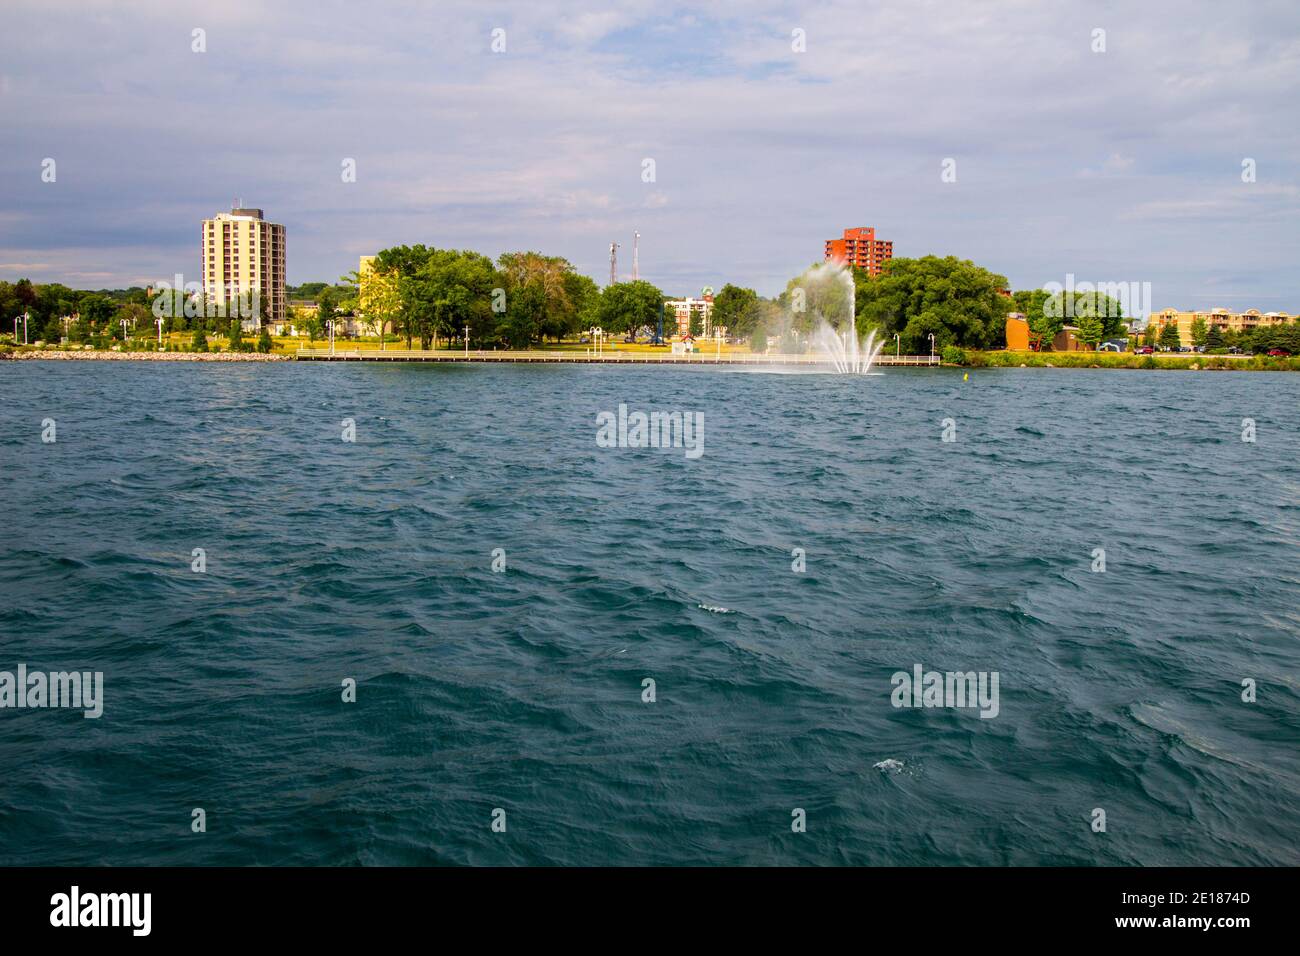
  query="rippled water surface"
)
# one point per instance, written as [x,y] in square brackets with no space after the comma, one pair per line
[523,689]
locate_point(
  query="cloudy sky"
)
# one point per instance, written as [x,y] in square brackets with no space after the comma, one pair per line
[1115,166]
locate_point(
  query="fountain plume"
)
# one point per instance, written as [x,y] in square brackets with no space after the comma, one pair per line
[848,352]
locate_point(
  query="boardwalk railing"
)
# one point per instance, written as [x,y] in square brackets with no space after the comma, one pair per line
[605,356]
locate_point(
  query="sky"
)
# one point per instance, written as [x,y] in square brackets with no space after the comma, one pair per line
[771,127]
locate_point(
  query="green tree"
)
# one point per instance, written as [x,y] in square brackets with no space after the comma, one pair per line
[758,340]
[326,304]
[1169,337]
[264,344]
[308,322]
[521,324]
[1199,331]
[539,296]
[585,296]
[379,299]
[626,306]
[956,300]
[96,311]
[200,341]
[236,335]
[1094,313]
[449,290]
[441,291]
[139,320]
[26,294]
[1030,303]
[1214,339]
[1091,330]
[403,262]
[736,309]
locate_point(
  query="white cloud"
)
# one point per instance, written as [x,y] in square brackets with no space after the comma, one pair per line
[540,147]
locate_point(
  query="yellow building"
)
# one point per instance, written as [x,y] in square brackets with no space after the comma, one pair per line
[243,253]
[377,296]
[1221,319]
[364,271]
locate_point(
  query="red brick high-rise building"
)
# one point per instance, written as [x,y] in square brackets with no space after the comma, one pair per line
[861,248]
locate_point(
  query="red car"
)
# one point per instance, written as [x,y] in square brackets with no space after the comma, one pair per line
[1282,352]
[1145,350]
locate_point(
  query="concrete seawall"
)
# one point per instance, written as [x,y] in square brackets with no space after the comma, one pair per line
[603,358]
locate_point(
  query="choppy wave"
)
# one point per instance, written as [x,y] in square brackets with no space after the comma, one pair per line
[501,589]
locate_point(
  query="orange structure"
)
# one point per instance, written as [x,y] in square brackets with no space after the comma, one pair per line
[860,247]
[1017,332]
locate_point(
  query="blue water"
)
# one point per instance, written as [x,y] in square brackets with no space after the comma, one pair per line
[522,690]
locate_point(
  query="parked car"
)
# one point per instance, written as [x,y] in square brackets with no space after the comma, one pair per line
[1278,352]
[1146,350]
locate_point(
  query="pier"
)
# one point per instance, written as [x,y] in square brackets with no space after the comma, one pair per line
[594,358]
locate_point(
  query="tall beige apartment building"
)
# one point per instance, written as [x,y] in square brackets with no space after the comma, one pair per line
[242,252]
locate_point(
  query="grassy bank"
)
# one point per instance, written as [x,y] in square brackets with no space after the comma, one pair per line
[1005,359]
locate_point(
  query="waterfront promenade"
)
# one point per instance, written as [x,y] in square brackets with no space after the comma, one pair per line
[607,357]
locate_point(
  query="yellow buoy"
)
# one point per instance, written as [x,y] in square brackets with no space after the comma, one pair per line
[966,377]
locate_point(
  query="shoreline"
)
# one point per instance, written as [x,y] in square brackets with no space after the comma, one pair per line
[110,356]
[970,359]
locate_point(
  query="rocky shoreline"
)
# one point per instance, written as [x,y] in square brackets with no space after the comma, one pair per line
[68,355]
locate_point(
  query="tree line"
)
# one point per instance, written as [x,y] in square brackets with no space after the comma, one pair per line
[433,297]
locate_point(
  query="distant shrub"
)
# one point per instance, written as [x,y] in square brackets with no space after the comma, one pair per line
[953,355]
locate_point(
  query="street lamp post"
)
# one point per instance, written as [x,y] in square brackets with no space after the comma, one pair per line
[159,322]
[931,345]
[898,345]
[466,340]
[24,318]
[329,324]
[717,338]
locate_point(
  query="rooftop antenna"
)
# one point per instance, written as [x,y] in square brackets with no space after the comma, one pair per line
[636,242]
[613,263]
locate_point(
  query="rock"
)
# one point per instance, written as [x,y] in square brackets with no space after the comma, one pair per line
[90,354]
